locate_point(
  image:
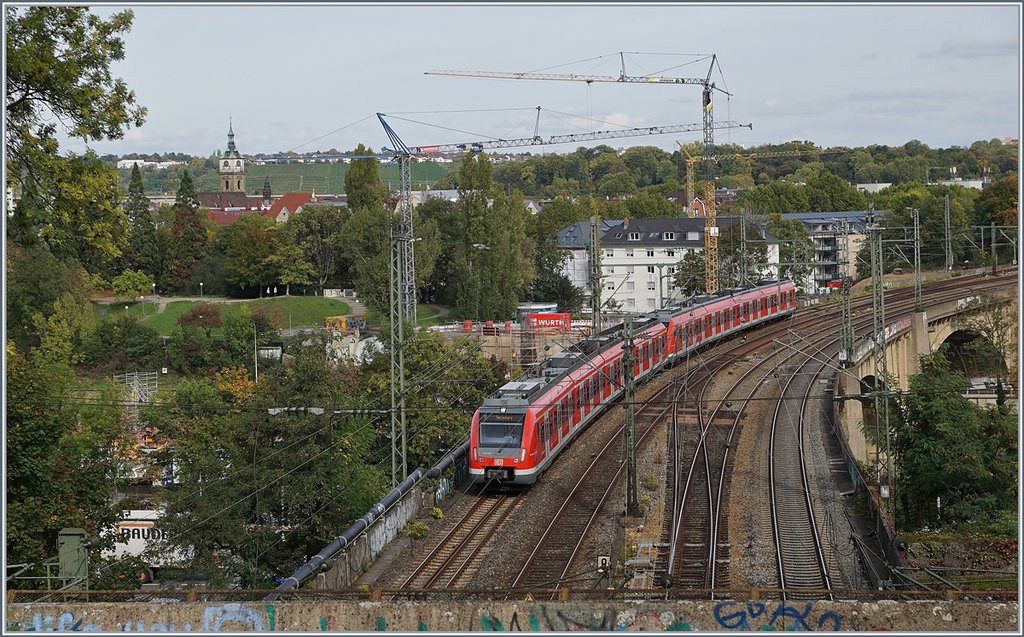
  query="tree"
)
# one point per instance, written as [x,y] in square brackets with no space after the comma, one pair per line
[61,459]
[945,447]
[691,274]
[204,316]
[187,237]
[289,264]
[142,251]
[131,284]
[317,229]
[250,243]
[363,186]
[796,249]
[58,62]
[258,493]
[998,204]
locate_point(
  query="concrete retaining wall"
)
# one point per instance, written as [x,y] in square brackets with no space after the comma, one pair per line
[319,616]
[364,550]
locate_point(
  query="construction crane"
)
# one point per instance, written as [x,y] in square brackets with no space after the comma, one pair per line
[536,140]
[709,204]
[707,102]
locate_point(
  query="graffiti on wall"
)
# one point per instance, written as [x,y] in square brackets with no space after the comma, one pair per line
[726,615]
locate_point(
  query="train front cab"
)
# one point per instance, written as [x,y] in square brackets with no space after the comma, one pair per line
[497,450]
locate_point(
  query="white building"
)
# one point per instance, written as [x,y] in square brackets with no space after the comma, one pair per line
[142,163]
[639,258]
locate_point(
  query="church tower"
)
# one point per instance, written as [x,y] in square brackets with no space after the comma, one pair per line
[232,167]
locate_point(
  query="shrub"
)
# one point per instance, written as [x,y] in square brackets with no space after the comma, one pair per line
[437,513]
[417,530]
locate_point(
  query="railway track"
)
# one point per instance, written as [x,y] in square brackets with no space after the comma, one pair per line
[452,561]
[700,434]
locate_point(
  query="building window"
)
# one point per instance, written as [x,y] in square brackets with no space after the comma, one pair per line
[630,302]
[609,253]
[650,269]
[671,269]
[609,269]
[691,236]
[670,236]
[609,286]
[650,303]
[630,286]
[629,252]
[629,269]
[670,253]
[634,236]
[650,285]
[650,253]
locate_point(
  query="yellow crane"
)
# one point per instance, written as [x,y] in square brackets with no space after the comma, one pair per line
[710,215]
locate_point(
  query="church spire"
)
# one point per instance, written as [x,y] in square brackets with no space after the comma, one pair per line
[232,151]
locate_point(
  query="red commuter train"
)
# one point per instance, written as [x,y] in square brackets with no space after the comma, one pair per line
[521,429]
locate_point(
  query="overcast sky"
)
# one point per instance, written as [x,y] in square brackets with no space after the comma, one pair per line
[290,76]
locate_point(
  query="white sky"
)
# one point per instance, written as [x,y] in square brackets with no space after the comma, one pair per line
[836,75]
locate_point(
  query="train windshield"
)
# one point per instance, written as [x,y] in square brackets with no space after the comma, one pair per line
[501,430]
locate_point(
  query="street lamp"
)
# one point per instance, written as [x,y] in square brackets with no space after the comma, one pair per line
[255,358]
[126,311]
[142,299]
[200,290]
[478,246]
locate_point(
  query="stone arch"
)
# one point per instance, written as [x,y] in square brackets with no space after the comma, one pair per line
[972,355]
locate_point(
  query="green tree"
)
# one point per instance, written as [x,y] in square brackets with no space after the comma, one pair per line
[142,251]
[796,249]
[187,237]
[131,284]
[691,274]
[259,493]
[363,186]
[289,264]
[945,447]
[61,460]
[57,62]
[317,229]
[251,241]
[998,204]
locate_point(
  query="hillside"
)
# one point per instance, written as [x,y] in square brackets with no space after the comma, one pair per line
[321,178]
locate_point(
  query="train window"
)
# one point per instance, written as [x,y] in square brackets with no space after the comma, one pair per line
[501,430]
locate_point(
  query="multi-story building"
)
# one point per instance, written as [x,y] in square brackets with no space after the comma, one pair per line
[640,257]
[827,230]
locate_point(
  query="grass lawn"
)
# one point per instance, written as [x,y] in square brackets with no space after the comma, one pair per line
[425,315]
[296,311]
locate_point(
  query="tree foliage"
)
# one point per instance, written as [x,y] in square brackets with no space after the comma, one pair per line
[948,448]
[62,459]
[58,61]
[131,284]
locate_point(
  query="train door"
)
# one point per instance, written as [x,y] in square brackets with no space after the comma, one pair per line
[718,322]
[553,428]
[566,409]
[707,326]
[606,383]
[541,427]
[764,306]
[575,406]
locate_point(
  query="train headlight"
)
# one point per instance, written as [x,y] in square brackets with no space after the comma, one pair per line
[522,455]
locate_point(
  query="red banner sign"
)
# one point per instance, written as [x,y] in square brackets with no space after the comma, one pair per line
[561,321]
[834,284]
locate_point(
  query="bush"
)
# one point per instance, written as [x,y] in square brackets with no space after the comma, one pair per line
[417,530]
[120,342]
[437,513]
[205,316]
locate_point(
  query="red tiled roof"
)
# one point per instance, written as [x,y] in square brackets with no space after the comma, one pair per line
[223,200]
[222,218]
[292,201]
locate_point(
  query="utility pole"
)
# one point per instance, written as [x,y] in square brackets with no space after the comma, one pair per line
[878,393]
[995,260]
[397,307]
[743,248]
[846,333]
[949,242]
[632,507]
[595,275]
[918,307]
